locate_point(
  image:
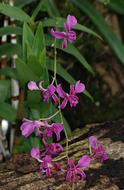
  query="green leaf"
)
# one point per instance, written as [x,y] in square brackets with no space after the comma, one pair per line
[7,112]
[22,3]
[9,49]
[24,72]
[10,30]
[105,30]
[14,12]
[51,8]
[72,50]
[4,89]
[39,41]
[59,22]
[28,38]
[117,6]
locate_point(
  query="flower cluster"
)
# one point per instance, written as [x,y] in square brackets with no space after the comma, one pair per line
[44,128]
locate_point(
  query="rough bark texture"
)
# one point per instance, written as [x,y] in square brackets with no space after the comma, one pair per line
[20,172]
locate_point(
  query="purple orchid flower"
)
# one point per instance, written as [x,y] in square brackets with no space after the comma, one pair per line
[97,149]
[54,127]
[35,153]
[47,92]
[53,148]
[28,127]
[76,171]
[69,35]
[72,96]
[46,166]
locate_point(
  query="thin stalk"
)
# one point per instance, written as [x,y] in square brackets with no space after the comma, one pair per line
[49,118]
[55,80]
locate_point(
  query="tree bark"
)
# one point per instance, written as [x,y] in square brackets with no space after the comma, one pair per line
[20,172]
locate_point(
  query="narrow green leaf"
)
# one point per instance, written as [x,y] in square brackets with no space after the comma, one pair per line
[28,38]
[10,30]
[117,6]
[14,12]
[22,3]
[105,30]
[39,41]
[7,111]
[51,8]
[59,22]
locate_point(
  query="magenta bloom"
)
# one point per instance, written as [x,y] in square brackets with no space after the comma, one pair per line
[76,171]
[35,153]
[46,166]
[72,96]
[69,35]
[53,148]
[47,92]
[97,148]
[28,127]
[54,127]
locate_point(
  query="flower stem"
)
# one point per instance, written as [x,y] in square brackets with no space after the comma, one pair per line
[49,118]
[54,79]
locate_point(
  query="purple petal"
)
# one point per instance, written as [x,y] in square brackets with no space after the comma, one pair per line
[71,164]
[64,103]
[93,141]
[69,176]
[84,161]
[71,36]
[64,44]
[70,23]
[51,88]
[60,91]
[79,87]
[57,128]
[32,85]
[55,98]
[27,128]
[35,153]
[72,90]
[58,35]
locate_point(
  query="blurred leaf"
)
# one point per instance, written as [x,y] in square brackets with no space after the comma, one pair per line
[9,72]
[4,89]
[105,30]
[24,72]
[9,49]
[7,112]
[59,22]
[36,10]
[14,12]
[117,6]
[51,8]
[72,50]
[36,142]
[10,30]
[22,3]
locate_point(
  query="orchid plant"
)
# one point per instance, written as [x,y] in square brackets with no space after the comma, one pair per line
[44,128]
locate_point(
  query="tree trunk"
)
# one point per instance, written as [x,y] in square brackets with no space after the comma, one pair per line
[20,172]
